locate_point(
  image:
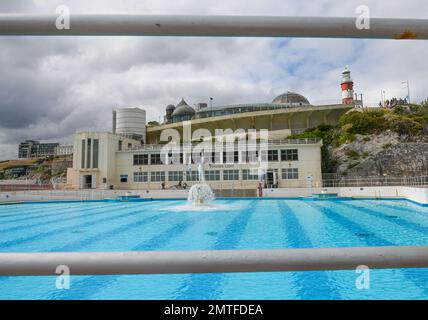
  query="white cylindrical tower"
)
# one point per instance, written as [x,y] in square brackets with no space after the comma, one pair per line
[131,122]
[347,86]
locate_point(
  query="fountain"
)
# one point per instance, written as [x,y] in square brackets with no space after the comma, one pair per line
[200,198]
[200,194]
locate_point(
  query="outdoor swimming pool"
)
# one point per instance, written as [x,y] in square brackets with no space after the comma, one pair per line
[237,224]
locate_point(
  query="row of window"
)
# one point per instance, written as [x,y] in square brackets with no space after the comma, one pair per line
[214,157]
[210,175]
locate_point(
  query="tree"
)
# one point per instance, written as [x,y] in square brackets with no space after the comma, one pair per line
[153,124]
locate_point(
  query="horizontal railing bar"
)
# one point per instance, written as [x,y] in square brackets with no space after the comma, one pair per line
[220,25]
[178,262]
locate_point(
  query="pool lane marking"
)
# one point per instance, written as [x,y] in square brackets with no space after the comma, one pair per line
[87,287]
[41,213]
[296,237]
[78,245]
[280,285]
[66,229]
[74,215]
[374,240]
[145,220]
[408,206]
[399,221]
[207,286]
[18,209]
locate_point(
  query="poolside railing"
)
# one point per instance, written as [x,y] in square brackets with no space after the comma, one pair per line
[419,181]
[233,145]
[47,192]
[212,261]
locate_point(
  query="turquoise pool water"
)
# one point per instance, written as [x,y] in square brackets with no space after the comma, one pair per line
[237,224]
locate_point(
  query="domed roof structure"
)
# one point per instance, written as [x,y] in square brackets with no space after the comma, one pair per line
[183,109]
[291,98]
[170,107]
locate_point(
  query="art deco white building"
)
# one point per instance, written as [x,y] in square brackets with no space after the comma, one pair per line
[106,160]
[134,157]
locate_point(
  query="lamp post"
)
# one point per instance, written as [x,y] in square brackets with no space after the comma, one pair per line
[383,95]
[361,96]
[408,89]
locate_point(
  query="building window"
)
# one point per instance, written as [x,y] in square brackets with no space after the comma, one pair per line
[88,154]
[251,156]
[157,176]
[175,175]
[250,174]
[235,156]
[95,154]
[264,155]
[83,154]
[209,157]
[273,155]
[192,176]
[141,159]
[123,178]
[141,177]
[289,155]
[290,173]
[231,175]
[216,157]
[175,158]
[155,158]
[231,157]
[212,175]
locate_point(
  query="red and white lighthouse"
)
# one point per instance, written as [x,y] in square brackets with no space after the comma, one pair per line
[347,87]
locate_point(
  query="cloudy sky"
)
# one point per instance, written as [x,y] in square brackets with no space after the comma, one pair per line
[51,87]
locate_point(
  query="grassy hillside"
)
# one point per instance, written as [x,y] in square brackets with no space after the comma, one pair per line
[43,168]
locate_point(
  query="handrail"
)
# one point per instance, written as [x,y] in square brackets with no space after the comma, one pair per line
[270,142]
[225,26]
[178,262]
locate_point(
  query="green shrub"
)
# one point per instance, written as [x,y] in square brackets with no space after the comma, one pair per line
[400,110]
[367,121]
[386,146]
[405,125]
[346,137]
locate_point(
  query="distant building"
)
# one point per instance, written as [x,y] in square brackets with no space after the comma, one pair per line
[35,149]
[64,150]
[17,171]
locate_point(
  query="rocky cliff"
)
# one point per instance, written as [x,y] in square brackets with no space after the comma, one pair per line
[387,153]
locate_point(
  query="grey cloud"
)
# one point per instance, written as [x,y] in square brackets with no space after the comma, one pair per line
[49,87]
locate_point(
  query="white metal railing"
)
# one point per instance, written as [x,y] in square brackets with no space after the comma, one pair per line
[212,261]
[226,26]
[418,181]
[270,142]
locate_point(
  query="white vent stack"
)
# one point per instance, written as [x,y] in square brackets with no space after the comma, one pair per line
[130,122]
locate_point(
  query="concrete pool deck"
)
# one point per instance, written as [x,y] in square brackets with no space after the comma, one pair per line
[415,194]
